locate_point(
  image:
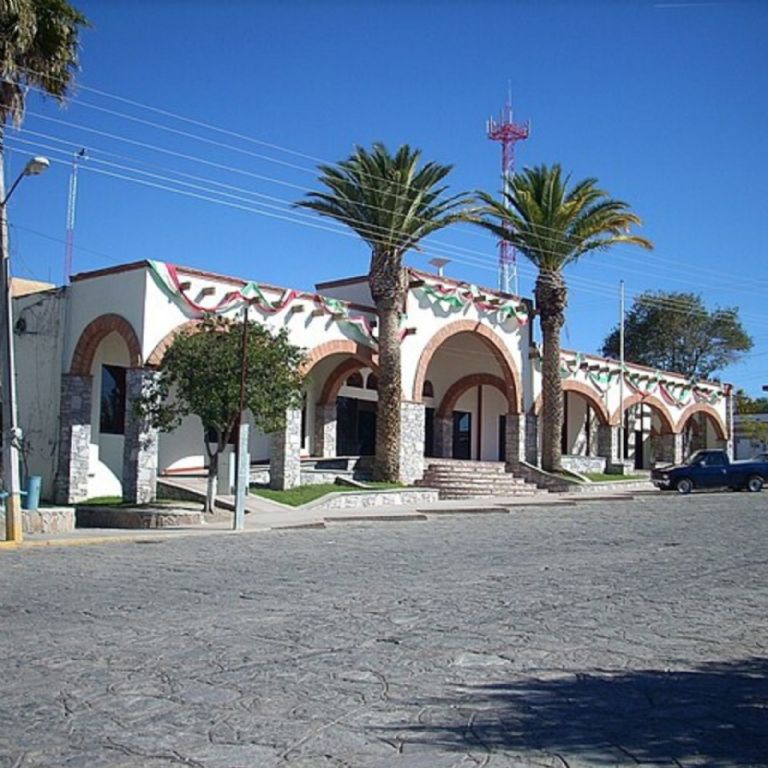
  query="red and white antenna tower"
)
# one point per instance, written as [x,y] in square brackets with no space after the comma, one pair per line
[71,204]
[508,133]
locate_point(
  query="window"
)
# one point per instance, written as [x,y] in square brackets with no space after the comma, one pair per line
[355,380]
[373,382]
[112,418]
[427,390]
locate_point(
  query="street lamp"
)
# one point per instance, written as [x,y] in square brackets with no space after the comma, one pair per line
[34,167]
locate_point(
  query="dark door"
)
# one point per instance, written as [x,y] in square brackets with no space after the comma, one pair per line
[355,427]
[502,438]
[429,432]
[462,434]
[639,450]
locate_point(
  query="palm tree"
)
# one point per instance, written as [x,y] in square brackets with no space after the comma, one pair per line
[552,227]
[392,204]
[38,49]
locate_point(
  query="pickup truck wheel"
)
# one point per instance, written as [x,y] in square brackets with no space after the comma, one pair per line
[684,485]
[755,483]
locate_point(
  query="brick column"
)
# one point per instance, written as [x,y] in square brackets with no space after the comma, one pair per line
[608,444]
[71,481]
[285,455]
[671,448]
[515,438]
[325,430]
[141,440]
[443,438]
[411,442]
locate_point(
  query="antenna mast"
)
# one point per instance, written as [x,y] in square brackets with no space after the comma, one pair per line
[506,131]
[71,204]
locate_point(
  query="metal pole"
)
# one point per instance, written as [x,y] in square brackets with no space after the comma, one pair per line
[621,370]
[241,449]
[11,432]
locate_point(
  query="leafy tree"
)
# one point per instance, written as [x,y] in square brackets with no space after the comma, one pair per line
[200,374]
[747,404]
[392,204]
[553,226]
[755,431]
[674,331]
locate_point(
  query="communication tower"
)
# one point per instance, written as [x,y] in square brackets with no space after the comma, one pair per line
[508,132]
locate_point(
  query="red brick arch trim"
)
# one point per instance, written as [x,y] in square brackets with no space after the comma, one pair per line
[458,388]
[491,340]
[656,405]
[340,347]
[695,408]
[94,333]
[158,353]
[589,394]
[339,375]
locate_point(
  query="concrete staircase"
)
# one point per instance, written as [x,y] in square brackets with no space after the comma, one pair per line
[457,479]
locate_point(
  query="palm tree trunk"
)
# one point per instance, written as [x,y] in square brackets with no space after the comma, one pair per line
[551,300]
[388,285]
[386,465]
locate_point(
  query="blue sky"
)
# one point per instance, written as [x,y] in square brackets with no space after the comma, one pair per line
[663,102]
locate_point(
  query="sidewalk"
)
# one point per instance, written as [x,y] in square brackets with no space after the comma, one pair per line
[263,515]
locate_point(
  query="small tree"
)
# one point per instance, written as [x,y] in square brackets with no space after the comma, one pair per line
[675,332]
[200,375]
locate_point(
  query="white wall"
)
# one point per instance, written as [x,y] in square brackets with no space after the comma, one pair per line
[38,354]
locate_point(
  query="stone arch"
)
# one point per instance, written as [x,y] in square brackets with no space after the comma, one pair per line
[94,333]
[695,408]
[589,394]
[458,388]
[658,407]
[363,354]
[158,353]
[338,378]
[513,390]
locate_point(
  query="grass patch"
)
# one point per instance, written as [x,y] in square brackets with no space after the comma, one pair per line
[601,477]
[295,497]
[117,501]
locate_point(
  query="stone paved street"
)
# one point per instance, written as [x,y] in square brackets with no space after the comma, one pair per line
[608,633]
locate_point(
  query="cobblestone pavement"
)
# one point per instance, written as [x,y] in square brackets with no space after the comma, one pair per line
[609,633]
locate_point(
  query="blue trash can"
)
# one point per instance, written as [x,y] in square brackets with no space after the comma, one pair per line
[32,499]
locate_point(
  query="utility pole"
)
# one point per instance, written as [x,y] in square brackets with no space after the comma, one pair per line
[11,432]
[621,371]
[242,458]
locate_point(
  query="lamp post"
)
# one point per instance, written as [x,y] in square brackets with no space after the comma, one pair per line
[12,433]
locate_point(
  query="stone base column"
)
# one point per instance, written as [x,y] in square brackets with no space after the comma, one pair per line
[532,446]
[225,471]
[608,444]
[325,431]
[71,481]
[443,438]
[514,438]
[671,448]
[411,442]
[141,441]
[285,455]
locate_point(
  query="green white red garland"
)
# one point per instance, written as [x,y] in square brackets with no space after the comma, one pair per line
[676,393]
[461,296]
[253,295]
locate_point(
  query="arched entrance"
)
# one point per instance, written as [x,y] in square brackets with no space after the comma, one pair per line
[649,432]
[339,418]
[701,427]
[474,385]
[95,440]
[584,415]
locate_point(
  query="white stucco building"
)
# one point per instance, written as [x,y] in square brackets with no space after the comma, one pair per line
[471,381]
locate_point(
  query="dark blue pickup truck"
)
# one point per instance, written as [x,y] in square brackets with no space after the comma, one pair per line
[712,469]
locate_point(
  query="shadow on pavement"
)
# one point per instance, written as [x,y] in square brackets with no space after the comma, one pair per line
[714,714]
